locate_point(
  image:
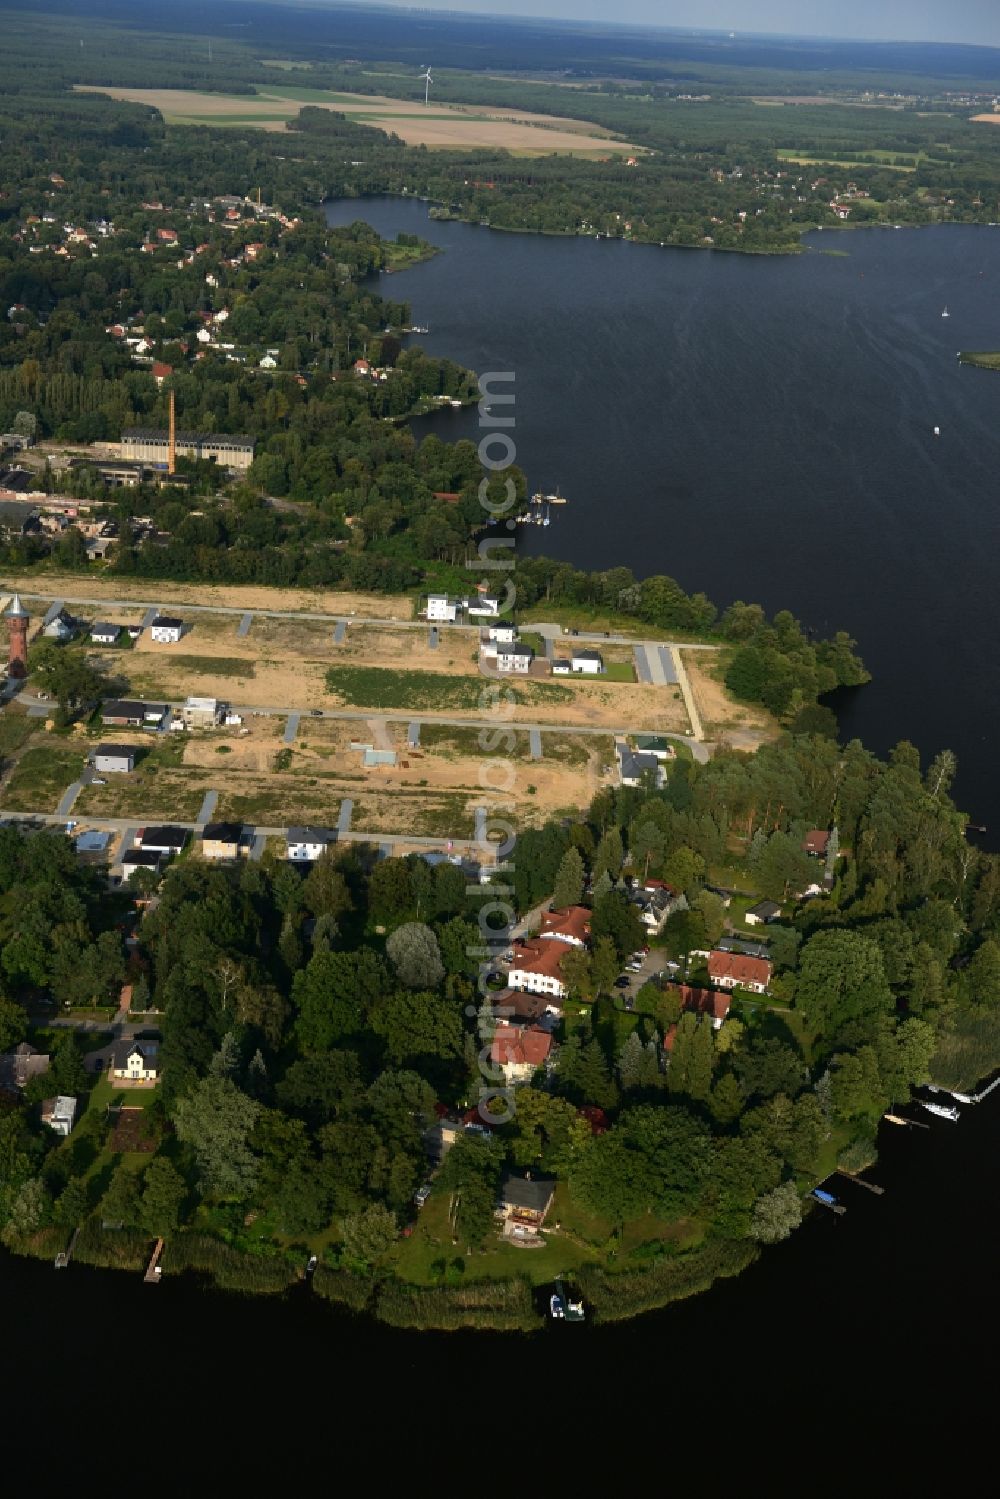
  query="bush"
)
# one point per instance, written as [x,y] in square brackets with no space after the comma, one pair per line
[230,1269]
[343,1286]
[612,1298]
[491,1305]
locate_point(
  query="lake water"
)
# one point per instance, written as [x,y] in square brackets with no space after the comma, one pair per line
[760,428]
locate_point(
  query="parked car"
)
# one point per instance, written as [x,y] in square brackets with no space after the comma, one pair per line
[421,1195]
[315,712]
[623,981]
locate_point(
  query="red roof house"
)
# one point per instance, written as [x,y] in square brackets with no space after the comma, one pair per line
[816,842]
[572,925]
[709,1002]
[519,1051]
[727,969]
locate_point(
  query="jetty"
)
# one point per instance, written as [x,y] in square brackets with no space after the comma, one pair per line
[908,1123]
[65,1255]
[859,1181]
[154,1269]
[827,1200]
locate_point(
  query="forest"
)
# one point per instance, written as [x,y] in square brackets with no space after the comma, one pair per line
[316,1025]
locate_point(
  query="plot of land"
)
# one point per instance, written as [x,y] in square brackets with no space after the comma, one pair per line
[442,125]
[740,724]
[227,596]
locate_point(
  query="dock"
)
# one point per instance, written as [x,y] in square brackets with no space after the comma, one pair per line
[907,1123]
[859,1181]
[154,1269]
[65,1255]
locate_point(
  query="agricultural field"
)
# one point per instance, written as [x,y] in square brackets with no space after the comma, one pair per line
[445,126]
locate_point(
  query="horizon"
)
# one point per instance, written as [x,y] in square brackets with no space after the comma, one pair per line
[970,22]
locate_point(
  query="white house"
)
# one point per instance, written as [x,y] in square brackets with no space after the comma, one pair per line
[504,634]
[58,1113]
[166,630]
[162,840]
[440,607]
[60,628]
[201,712]
[135,1062]
[116,758]
[536,966]
[103,633]
[514,657]
[588,662]
[305,845]
[486,606]
[268,362]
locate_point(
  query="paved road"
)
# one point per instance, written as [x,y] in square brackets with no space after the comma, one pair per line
[688,695]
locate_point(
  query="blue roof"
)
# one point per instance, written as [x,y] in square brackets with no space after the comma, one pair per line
[92,843]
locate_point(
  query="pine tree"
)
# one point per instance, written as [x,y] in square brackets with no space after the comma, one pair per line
[609,855]
[569,881]
[226,1061]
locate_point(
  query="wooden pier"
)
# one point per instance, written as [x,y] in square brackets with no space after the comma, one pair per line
[154,1269]
[65,1255]
[860,1182]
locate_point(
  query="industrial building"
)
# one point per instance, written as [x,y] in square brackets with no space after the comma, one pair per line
[152,445]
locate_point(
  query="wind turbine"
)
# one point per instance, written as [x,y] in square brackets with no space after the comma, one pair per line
[428,80]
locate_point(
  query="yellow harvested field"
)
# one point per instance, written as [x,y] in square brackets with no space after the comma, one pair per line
[442,125]
[742,725]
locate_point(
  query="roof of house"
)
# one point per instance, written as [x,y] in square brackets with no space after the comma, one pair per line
[162,837]
[542,957]
[633,766]
[167,622]
[310,835]
[532,1192]
[118,750]
[738,967]
[740,944]
[62,1107]
[587,656]
[123,707]
[222,832]
[516,1004]
[141,858]
[816,841]
[702,1001]
[765,909]
[104,627]
[520,1045]
[122,1050]
[571,921]
[92,842]
[16,513]
[21,1064]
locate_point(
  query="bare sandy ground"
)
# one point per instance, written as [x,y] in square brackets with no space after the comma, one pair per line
[444,125]
[740,724]
[224,595]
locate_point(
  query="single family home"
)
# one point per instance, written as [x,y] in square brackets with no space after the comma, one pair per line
[764,912]
[524,1205]
[135,1062]
[118,759]
[727,970]
[519,1051]
[103,633]
[305,845]
[166,630]
[221,840]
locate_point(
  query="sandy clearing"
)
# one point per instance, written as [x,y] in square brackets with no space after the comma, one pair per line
[228,596]
[986,119]
[372,645]
[740,724]
[440,125]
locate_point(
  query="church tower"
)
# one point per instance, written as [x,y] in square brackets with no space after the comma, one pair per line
[17,620]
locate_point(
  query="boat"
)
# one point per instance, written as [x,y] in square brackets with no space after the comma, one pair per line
[311,1264]
[946,313]
[937,431]
[942,1110]
[825,1197]
[549,499]
[562,1307]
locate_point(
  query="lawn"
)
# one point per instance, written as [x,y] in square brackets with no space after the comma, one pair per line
[427,691]
[618,671]
[214,666]
[42,775]
[431,1241]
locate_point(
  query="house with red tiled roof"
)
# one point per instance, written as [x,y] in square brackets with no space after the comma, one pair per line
[816,842]
[161,371]
[711,1002]
[728,970]
[537,967]
[520,1050]
[571,924]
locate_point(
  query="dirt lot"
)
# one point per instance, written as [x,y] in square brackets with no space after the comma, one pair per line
[444,125]
[740,724]
[227,595]
[371,645]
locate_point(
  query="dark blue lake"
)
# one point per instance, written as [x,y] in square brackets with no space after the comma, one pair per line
[760,427]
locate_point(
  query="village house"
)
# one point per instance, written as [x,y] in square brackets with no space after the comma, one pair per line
[126,713]
[61,627]
[816,843]
[134,859]
[714,1003]
[441,608]
[654,905]
[727,970]
[163,840]
[135,1063]
[514,658]
[201,712]
[571,924]
[502,634]
[519,1051]
[486,607]
[590,663]
[633,767]
[306,845]
[116,759]
[536,965]
[524,1205]
[59,1113]
[166,630]
[19,1066]
[103,633]
[221,840]
[518,1005]
[763,913]
[161,372]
